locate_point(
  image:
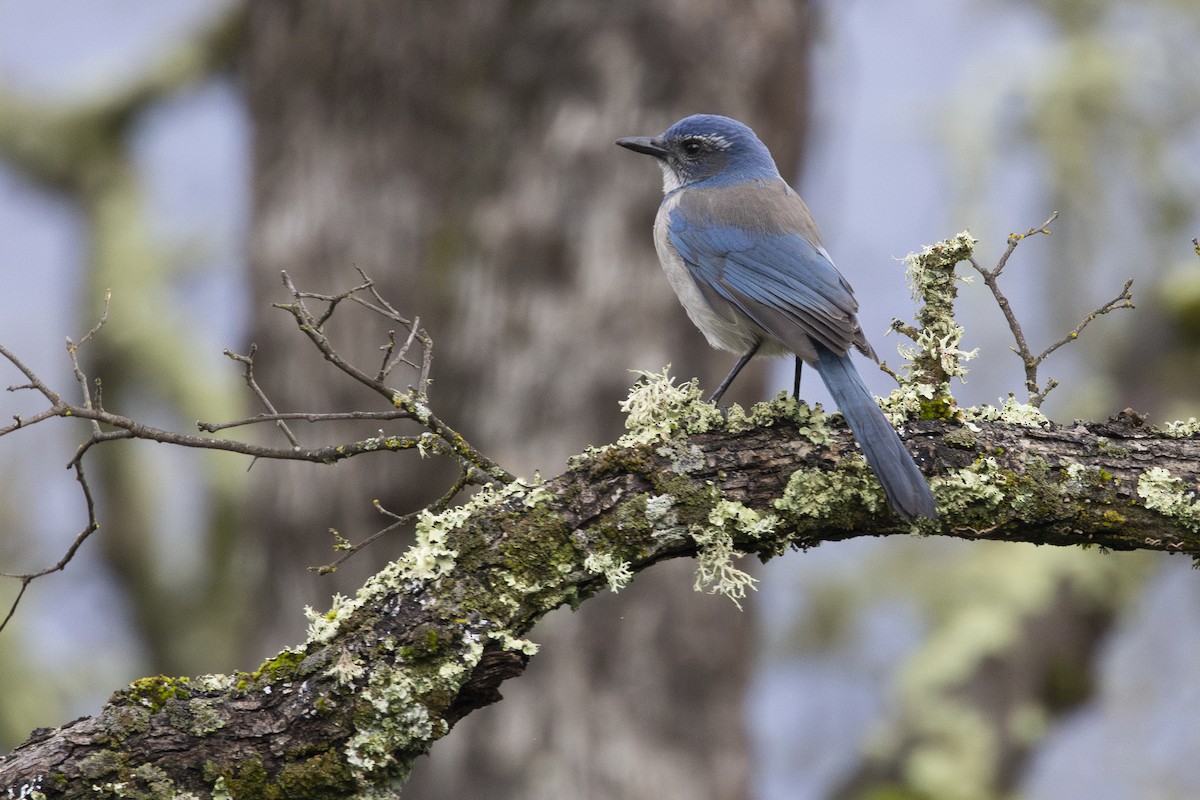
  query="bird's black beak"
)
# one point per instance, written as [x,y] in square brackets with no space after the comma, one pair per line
[644,144]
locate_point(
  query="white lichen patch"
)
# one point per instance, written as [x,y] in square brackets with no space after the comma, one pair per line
[322,627]
[811,421]
[954,249]
[1080,478]
[430,557]
[1012,411]
[1182,429]
[391,720]
[685,457]
[715,570]
[942,343]
[1163,492]
[346,670]
[657,408]
[660,511]
[510,642]
[618,573]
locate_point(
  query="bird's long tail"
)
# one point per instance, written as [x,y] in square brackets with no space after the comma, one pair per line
[907,491]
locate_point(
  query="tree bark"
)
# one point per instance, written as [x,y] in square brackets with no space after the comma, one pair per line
[386,674]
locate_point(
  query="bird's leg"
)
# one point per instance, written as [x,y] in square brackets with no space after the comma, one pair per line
[716,396]
[796,385]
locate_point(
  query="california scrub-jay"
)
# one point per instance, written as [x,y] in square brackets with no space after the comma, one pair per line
[741,250]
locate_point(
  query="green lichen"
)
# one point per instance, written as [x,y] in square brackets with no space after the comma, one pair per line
[322,627]
[935,357]
[1011,411]
[1163,492]
[393,716]
[980,485]
[197,716]
[1182,429]
[657,409]
[685,457]
[515,644]
[832,496]
[715,571]
[615,571]
[1115,451]
[101,764]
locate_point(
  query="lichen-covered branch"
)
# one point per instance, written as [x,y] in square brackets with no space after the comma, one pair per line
[388,672]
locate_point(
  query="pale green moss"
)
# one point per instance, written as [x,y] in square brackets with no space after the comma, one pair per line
[616,572]
[1166,494]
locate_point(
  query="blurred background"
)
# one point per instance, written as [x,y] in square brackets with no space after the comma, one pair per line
[181,154]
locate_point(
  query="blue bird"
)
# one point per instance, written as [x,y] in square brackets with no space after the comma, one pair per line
[742,252]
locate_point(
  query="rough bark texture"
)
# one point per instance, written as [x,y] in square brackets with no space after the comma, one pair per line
[462,154]
[430,639]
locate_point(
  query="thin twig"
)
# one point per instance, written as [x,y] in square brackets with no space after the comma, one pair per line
[306,416]
[93,525]
[248,375]
[1037,392]
[1122,300]
[412,403]
[465,478]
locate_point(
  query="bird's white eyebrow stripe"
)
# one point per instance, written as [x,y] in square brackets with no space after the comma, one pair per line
[716,140]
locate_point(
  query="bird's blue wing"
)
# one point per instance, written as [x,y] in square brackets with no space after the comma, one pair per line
[779,279]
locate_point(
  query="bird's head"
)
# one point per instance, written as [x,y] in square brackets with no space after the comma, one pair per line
[706,148]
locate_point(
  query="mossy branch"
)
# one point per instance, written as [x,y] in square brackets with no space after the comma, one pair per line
[388,672]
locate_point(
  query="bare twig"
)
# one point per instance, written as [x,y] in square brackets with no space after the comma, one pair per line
[1037,392]
[413,400]
[306,416]
[465,478]
[411,404]
[248,374]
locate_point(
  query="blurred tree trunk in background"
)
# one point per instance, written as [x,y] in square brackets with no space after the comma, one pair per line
[461,153]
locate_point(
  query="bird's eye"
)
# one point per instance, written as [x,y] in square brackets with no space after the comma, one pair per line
[692,147]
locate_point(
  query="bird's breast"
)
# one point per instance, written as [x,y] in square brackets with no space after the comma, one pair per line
[724,326]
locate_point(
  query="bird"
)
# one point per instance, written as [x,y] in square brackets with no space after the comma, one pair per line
[742,252]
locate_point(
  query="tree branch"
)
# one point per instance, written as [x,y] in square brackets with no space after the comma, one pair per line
[430,638]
